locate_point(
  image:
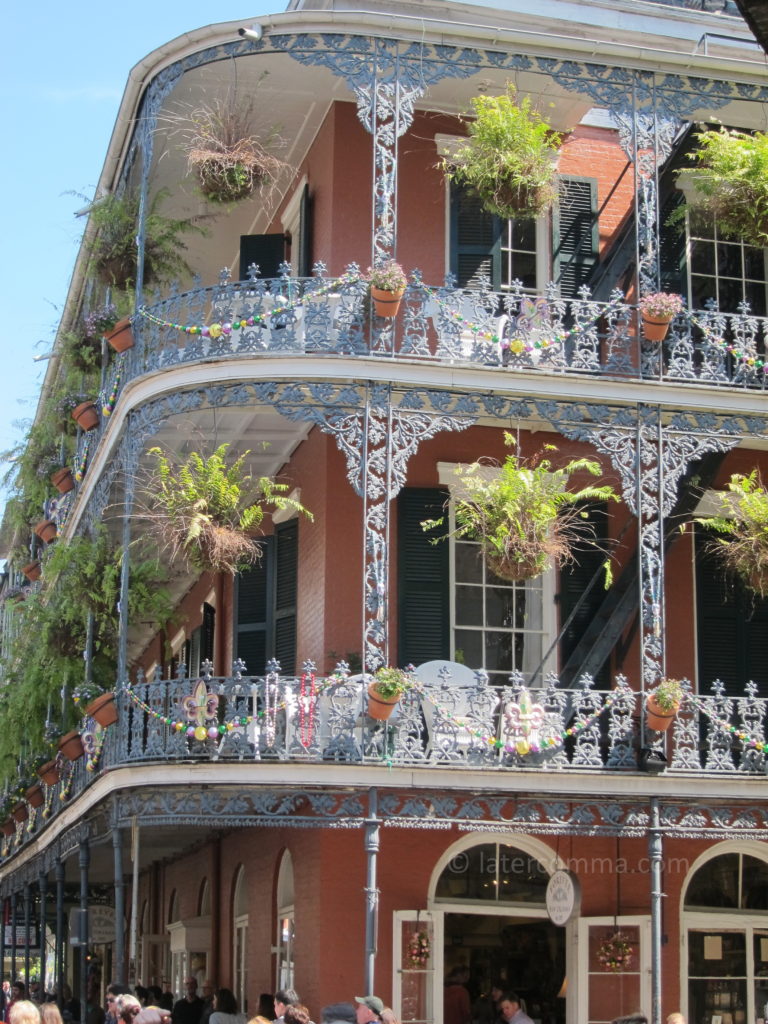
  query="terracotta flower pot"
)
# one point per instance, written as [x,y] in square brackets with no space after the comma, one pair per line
[121,335]
[103,709]
[35,796]
[32,570]
[46,530]
[386,304]
[8,827]
[86,415]
[63,480]
[49,772]
[71,746]
[656,717]
[20,811]
[380,707]
[655,327]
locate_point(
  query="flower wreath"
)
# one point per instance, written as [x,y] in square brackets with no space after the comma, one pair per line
[615,953]
[419,949]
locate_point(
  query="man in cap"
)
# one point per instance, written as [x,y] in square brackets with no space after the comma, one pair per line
[369,1008]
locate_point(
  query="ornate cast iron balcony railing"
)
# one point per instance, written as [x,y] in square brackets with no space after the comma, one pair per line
[274,718]
[510,331]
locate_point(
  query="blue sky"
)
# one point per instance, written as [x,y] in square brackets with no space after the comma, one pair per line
[62,77]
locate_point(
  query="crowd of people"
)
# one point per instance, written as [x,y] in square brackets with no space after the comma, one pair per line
[154,1006]
[219,1006]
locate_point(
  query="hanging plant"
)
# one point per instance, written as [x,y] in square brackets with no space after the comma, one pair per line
[729,181]
[615,953]
[111,241]
[230,153]
[508,159]
[524,516]
[742,527]
[208,511]
[419,948]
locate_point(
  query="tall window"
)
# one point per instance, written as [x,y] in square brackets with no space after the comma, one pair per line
[726,916]
[285,923]
[505,251]
[240,940]
[725,270]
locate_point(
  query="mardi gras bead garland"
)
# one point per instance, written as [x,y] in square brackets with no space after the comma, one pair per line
[80,470]
[225,329]
[518,345]
[753,361]
[214,731]
[748,741]
[94,758]
[109,403]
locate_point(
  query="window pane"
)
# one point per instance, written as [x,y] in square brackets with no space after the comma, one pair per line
[499,607]
[756,298]
[469,606]
[524,234]
[469,565]
[715,884]
[470,643]
[498,652]
[754,262]
[731,294]
[703,289]
[754,884]
[470,875]
[729,259]
[524,268]
[702,258]
[717,954]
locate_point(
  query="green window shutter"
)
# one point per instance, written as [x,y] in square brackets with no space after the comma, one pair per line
[252,611]
[732,626]
[265,603]
[672,247]
[573,582]
[575,237]
[286,586]
[304,241]
[475,241]
[422,578]
[208,633]
[266,251]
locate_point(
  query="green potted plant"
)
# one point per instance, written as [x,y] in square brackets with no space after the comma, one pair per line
[111,241]
[524,516]
[48,768]
[658,310]
[106,322]
[208,510]
[227,149]
[96,703]
[387,281]
[663,703]
[508,159]
[388,686]
[729,181]
[741,525]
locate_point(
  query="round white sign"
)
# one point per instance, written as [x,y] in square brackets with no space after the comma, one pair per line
[563,894]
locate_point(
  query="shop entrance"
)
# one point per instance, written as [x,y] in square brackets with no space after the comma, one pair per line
[519,952]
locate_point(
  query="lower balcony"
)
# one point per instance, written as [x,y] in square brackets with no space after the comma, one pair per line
[448,719]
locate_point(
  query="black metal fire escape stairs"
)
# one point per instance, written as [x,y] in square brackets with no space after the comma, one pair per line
[621,602]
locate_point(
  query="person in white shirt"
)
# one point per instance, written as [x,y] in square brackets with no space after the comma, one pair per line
[511,1011]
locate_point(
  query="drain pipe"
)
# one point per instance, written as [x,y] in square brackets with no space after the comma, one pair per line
[372,827]
[655,857]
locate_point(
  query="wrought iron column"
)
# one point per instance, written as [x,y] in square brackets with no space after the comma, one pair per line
[42,883]
[655,856]
[27,928]
[372,830]
[117,850]
[125,568]
[377,465]
[84,862]
[3,919]
[59,875]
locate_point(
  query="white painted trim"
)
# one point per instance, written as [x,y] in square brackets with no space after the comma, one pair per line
[578,1007]
[434,988]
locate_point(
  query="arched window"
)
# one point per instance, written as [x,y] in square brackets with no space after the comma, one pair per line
[494,872]
[725,916]
[285,922]
[240,938]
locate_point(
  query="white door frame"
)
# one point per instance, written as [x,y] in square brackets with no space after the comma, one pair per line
[578,1008]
